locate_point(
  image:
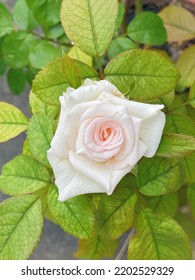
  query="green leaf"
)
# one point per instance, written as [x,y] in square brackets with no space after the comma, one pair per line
[191,198]
[26,149]
[53,32]
[120,16]
[32,3]
[179,23]
[96,248]
[75,216]
[30,76]
[187,223]
[71,71]
[76,53]
[6,25]
[3,66]
[176,145]
[21,223]
[181,124]
[16,48]
[5,10]
[166,204]
[89,23]
[142,75]
[158,176]
[120,44]
[43,53]
[23,16]
[46,12]
[116,212]
[50,83]
[147,28]
[39,107]
[192,95]
[39,135]
[23,175]
[186,66]
[16,79]
[12,122]
[159,238]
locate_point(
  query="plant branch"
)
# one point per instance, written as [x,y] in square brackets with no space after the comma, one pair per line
[100,68]
[124,248]
[40,36]
[138,6]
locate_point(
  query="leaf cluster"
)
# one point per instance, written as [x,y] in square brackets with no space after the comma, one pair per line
[150,201]
[30,38]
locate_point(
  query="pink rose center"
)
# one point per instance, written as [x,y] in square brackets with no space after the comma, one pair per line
[105,133]
[103,138]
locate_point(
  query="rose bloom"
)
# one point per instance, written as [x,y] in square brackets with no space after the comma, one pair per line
[100,137]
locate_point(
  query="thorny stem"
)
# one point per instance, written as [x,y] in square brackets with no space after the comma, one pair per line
[124,248]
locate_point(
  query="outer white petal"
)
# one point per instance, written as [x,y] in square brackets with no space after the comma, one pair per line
[91,90]
[136,109]
[151,132]
[70,182]
[73,121]
[105,177]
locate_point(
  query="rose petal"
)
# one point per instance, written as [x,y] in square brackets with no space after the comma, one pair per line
[153,120]
[70,182]
[151,132]
[92,116]
[102,175]
[136,154]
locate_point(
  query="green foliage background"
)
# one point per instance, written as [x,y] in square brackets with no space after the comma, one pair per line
[156,200]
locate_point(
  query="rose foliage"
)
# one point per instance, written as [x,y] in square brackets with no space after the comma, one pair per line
[110,144]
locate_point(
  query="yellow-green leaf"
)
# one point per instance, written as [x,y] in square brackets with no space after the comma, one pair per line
[158,176]
[116,212]
[187,223]
[89,23]
[39,135]
[21,222]
[182,124]
[96,247]
[179,23]
[163,204]
[12,122]
[192,95]
[76,53]
[71,71]
[186,66]
[176,145]
[51,82]
[39,107]
[23,175]
[75,216]
[142,75]
[191,197]
[159,238]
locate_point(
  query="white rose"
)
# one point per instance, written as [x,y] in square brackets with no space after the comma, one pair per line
[100,137]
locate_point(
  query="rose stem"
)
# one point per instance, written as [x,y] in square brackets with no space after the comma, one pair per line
[123,250]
